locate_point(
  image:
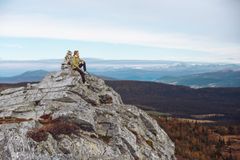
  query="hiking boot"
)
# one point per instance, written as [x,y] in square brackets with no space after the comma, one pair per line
[86,84]
[85,72]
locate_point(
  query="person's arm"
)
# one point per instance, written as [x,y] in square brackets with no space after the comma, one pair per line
[81,61]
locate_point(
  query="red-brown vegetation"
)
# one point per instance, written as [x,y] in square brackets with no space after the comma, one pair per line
[53,127]
[201,141]
[7,120]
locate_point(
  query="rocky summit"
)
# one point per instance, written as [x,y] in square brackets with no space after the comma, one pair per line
[61,118]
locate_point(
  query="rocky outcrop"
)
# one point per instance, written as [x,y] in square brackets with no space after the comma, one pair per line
[61,118]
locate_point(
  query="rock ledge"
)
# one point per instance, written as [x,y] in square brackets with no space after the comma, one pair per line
[61,118]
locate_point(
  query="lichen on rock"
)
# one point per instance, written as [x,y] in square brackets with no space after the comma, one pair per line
[62,118]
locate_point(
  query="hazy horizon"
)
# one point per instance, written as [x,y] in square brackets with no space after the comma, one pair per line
[137,60]
[11,68]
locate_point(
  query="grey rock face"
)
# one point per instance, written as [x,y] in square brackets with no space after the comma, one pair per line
[61,118]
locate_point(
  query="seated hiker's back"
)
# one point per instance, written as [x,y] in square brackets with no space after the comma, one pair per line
[68,58]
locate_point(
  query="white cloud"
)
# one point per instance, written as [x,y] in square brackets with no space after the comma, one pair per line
[45,27]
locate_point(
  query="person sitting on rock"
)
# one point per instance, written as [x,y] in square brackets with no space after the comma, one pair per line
[77,64]
[82,63]
[68,58]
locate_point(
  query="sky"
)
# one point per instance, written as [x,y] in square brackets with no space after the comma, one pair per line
[186,30]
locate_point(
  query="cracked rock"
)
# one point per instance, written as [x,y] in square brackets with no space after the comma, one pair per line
[61,118]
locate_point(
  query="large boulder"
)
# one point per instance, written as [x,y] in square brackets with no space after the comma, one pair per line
[62,118]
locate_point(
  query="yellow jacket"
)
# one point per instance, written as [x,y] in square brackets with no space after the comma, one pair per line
[75,62]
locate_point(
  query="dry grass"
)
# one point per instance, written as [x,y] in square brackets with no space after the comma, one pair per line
[234,145]
[53,127]
[7,120]
[194,120]
[207,116]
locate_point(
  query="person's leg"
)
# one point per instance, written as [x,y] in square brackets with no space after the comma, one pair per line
[80,65]
[81,73]
[83,65]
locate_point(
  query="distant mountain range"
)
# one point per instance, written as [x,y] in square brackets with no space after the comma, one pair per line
[194,74]
[226,78]
[148,70]
[29,76]
[33,76]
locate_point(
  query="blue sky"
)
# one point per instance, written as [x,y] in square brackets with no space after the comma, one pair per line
[183,30]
